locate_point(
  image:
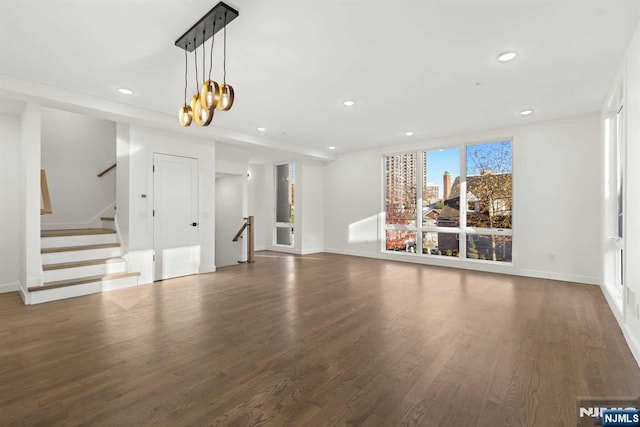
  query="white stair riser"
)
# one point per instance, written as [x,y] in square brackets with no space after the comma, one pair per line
[125,282]
[73,256]
[66,292]
[84,289]
[65,241]
[85,271]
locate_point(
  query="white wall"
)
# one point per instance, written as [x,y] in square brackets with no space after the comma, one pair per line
[143,142]
[556,213]
[75,148]
[30,196]
[632,181]
[123,150]
[310,206]
[230,203]
[626,305]
[10,203]
[256,204]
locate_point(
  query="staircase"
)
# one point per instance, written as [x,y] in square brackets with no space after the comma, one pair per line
[80,262]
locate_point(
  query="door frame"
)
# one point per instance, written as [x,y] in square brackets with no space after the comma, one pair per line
[157,262]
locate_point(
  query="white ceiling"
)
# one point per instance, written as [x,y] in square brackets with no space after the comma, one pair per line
[424,66]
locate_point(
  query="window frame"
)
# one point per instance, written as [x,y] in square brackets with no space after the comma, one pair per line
[462,230]
[276,224]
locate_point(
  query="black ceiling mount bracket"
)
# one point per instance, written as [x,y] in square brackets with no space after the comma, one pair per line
[205,24]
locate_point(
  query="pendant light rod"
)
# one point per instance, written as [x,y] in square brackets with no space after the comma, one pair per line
[205,28]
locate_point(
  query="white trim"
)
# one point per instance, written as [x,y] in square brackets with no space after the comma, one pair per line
[311,251]
[285,249]
[488,267]
[9,287]
[612,300]
[24,294]
[574,278]
[633,344]
[615,303]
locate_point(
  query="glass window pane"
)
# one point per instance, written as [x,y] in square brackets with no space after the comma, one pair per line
[292,183]
[440,207]
[283,199]
[489,184]
[401,194]
[446,244]
[491,248]
[284,236]
[401,241]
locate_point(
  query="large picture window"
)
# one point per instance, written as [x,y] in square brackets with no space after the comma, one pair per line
[438,198]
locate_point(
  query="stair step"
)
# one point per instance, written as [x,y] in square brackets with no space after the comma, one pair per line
[76,232]
[107,218]
[79,248]
[80,263]
[80,281]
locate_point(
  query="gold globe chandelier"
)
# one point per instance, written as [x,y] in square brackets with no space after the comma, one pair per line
[211,95]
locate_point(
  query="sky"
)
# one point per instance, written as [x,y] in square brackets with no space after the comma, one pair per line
[439,161]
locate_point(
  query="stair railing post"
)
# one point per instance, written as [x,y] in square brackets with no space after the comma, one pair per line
[250,242]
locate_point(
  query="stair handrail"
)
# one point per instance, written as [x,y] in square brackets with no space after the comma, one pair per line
[107,170]
[247,224]
[239,233]
[45,199]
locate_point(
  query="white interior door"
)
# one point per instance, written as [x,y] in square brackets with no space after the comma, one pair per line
[229,219]
[175,216]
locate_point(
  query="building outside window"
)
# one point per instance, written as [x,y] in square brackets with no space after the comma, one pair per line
[484,226]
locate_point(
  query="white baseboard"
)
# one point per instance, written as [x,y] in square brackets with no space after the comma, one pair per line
[632,342]
[311,251]
[9,287]
[587,280]
[285,249]
[24,294]
[55,294]
[489,267]
[616,306]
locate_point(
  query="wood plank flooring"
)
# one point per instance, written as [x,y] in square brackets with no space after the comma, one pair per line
[314,340]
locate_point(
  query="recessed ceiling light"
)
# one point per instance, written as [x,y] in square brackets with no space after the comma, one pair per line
[349,103]
[261,129]
[408,133]
[332,148]
[526,112]
[125,91]
[507,56]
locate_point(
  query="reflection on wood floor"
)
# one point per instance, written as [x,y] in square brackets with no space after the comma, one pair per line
[315,340]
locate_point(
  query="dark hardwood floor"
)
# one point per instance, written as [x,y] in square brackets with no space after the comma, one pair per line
[315,340]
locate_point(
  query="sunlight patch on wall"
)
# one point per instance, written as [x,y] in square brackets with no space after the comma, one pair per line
[364,231]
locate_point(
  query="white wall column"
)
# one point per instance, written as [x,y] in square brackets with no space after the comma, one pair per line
[123,147]
[31,266]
